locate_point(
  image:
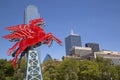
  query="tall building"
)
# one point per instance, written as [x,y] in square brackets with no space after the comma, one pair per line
[33,71]
[93,46]
[47,57]
[72,40]
[31,12]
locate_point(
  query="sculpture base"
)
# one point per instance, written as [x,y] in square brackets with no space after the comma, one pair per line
[33,66]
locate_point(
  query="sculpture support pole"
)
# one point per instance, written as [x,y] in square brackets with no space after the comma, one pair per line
[33,66]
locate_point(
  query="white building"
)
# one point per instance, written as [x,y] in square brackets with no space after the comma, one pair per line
[80,51]
[114,56]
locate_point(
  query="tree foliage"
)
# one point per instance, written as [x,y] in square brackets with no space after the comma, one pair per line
[7,72]
[71,69]
[68,69]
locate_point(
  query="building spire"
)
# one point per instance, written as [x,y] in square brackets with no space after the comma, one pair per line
[72,32]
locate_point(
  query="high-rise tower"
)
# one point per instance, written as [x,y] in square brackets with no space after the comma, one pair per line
[33,71]
[31,12]
[47,57]
[72,40]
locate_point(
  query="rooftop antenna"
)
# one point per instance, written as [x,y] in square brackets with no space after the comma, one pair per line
[72,32]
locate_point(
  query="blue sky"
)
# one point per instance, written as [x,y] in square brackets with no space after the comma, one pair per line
[95,20]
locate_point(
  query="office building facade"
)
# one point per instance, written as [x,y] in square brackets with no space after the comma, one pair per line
[93,46]
[114,56]
[31,12]
[72,40]
[32,73]
[80,51]
[47,57]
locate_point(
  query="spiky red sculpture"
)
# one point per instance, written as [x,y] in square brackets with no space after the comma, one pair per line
[26,37]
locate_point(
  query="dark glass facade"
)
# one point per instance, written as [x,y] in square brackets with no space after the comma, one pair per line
[47,57]
[93,46]
[72,40]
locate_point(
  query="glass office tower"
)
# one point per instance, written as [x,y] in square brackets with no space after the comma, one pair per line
[47,57]
[33,71]
[31,12]
[72,40]
[93,46]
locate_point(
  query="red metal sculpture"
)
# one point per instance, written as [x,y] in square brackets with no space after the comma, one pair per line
[26,37]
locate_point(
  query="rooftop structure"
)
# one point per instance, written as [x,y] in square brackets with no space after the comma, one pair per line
[114,56]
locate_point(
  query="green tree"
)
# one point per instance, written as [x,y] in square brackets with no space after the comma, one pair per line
[19,73]
[6,70]
[68,69]
[88,70]
[105,68]
[117,72]
[49,70]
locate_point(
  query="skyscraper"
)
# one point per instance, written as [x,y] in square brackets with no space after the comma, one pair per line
[72,40]
[33,71]
[31,12]
[47,57]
